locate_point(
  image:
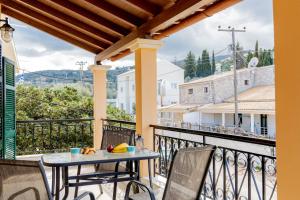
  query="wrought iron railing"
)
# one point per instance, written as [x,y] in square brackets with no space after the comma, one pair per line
[40,136]
[260,132]
[119,123]
[243,168]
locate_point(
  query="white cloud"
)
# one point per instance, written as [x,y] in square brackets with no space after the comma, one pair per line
[39,51]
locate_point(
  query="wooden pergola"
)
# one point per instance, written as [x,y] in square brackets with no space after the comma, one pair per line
[106,27]
[112,29]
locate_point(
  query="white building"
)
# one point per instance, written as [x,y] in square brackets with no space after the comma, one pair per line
[169,77]
[208,102]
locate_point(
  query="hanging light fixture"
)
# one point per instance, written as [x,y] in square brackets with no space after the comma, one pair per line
[6,31]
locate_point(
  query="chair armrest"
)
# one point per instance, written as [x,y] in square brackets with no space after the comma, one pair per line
[141,185]
[92,197]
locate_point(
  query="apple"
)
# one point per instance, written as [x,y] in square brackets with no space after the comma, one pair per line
[110,148]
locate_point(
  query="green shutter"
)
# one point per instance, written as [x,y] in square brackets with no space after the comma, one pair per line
[9,110]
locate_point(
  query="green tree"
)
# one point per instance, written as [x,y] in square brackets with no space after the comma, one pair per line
[213,63]
[206,66]
[199,67]
[190,65]
[240,59]
[34,103]
[256,52]
[249,56]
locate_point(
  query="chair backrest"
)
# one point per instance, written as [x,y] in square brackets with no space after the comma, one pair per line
[23,180]
[116,135]
[187,173]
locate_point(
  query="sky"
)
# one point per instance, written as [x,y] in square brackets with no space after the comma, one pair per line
[37,50]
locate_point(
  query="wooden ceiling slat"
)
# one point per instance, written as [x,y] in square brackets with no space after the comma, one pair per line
[56,25]
[209,11]
[182,7]
[145,5]
[121,31]
[116,11]
[49,30]
[69,20]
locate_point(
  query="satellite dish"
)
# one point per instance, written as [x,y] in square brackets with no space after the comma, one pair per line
[253,62]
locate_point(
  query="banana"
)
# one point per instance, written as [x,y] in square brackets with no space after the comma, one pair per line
[121,148]
[88,150]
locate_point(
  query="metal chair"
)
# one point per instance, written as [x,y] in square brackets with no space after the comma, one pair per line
[186,177]
[26,180]
[113,135]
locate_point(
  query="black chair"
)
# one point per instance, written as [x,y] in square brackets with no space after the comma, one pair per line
[113,135]
[186,177]
[26,180]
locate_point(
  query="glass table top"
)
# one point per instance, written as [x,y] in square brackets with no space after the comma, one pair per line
[101,156]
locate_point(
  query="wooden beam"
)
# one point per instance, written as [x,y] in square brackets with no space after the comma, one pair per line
[56,25]
[146,6]
[170,15]
[88,14]
[116,11]
[69,20]
[121,55]
[208,12]
[51,31]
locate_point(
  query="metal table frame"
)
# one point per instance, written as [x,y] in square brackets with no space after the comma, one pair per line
[95,178]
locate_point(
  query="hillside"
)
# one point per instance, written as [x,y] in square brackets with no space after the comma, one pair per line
[57,78]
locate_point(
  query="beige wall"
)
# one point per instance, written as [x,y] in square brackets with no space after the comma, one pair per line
[287,76]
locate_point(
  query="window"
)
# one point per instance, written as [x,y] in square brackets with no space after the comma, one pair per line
[190,91]
[122,106]
[121,89]
[246,82]
[132,87]
[205,89]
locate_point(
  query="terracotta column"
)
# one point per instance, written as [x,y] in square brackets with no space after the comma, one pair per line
[146,90]
[287,76]
[99,86]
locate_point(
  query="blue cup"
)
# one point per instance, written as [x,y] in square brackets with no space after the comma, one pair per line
[75,151]
[131,149]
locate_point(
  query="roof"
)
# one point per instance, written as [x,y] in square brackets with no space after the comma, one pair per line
[178,108]
[106,27]
[258,100]
[256,94]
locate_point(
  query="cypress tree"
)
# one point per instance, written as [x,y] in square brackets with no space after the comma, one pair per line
[213,63]
[261,58]
[199,67]
[190,65]
[206,66]
[256,53]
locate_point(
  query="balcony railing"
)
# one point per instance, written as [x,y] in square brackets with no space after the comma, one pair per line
[260,132]
[242,168]
[40,136]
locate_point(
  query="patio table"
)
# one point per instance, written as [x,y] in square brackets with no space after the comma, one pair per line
[63,161]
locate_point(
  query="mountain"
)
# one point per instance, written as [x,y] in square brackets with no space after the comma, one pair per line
[50,78]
